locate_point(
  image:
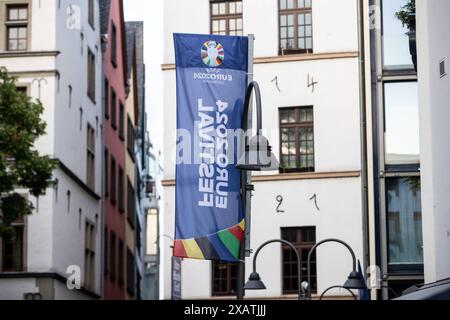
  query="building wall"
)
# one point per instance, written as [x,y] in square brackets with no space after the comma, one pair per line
[115,221]
[434,130]
[71,139]
[335,100]
[130,165]
[55,232]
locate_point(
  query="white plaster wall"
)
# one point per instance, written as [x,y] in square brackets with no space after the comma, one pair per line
[337,141]
[43,27]
[13,289]
[39,235]
[434,130]
[339,217]
[55,236]
[71,139]
[72,63]
[336,109]
[334,24]
[62,293]
[69,228]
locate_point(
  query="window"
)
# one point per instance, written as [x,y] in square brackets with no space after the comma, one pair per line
[107,99]
[303,239]
[121,193]
[114,45]
[121,121]
[130,138]
[296,33]
[396,52]
[22,90]
[12,250]
[112,259]
[91,75]
[226,18]
[89,257]
[106,173]
[17,27]
[224,278]
[121,261]
[70,96]
[131,204]
[130,273]
[138,236]
[81,118]
[402,140]
[91,13]
[404,223]
[113,190]
[105,252]
[297,139]
[90,172]
[113,109]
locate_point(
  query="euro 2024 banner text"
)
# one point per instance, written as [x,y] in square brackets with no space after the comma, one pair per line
[211,73]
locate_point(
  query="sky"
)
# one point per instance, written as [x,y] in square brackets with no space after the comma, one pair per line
[151,12]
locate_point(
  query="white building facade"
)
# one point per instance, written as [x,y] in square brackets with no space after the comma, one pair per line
[434,81]
[307,65]
[56,56]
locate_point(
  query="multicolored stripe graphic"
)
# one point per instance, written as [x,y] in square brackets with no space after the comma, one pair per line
[222,246]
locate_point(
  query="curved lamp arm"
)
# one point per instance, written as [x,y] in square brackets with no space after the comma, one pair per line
[167,237]
[253,86]
[314,249]
[296,254]
[337,287]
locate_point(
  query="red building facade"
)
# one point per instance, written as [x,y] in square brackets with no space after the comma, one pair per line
[114,93]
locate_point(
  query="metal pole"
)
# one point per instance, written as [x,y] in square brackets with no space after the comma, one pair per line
[363,130]
[314,249]
[246,180]
[299,267]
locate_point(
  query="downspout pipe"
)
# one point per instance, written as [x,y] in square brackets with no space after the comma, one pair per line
[363,133]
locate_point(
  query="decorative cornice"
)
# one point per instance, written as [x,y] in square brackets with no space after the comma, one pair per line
[77,180]
[291,58]
[292,177]
[307,176]
[20,54]
[44,275]
[35,72]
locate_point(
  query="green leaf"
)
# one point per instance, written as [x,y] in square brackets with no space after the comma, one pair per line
[21,165]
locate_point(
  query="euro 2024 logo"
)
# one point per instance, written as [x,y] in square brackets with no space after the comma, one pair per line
[213,54]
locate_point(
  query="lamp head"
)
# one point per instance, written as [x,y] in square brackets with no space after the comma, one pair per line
[258,156]
[355,281]
[254,282]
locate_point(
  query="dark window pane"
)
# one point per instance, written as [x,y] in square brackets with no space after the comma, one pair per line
[404,221]
[224,278]
[297,139]
[12,251]
[303,239]
[295,26]
[226,18]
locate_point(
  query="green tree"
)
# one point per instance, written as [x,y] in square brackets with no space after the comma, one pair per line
[21,165]
[405,11]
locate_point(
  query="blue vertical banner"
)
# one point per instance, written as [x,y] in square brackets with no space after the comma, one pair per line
[212,73]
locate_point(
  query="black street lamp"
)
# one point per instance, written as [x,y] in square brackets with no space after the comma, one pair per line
[257,156]
[337,287]
[354,280]
[254,281]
